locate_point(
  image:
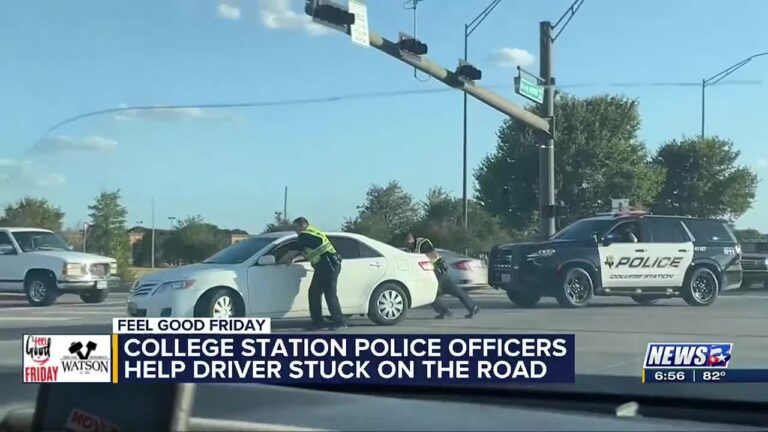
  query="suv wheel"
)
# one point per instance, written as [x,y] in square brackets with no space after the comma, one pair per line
[523,297]
[94,295]
[701,287]
[576,288]
[41,289]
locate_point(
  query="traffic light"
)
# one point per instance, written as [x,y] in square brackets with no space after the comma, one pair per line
[467,72]
[411,46]
[329,13]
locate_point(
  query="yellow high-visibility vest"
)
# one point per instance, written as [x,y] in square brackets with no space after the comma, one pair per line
[421,242]
[313,255]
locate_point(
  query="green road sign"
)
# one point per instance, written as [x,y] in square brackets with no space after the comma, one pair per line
[527,86]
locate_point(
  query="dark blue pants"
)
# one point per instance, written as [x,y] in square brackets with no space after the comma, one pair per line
[323,283]
[447,286]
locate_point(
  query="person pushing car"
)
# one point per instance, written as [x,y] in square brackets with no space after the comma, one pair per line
[314,245]
[445,284]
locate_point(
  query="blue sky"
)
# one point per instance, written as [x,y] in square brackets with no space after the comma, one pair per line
[61,59]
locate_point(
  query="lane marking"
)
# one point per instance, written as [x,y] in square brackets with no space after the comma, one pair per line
[36,319]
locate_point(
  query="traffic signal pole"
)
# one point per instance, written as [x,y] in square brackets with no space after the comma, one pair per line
[547,148]
[449,78]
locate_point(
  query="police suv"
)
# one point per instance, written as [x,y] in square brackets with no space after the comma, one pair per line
[645,257]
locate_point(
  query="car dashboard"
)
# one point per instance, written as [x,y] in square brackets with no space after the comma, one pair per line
[262,408]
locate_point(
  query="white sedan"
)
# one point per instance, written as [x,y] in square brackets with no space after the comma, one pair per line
[245,279]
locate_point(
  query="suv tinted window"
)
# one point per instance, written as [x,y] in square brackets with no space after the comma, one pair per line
[346,247]
[666,230]
[710,231]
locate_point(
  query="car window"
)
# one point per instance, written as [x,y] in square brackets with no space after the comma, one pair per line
[346,247]
[239,252]
[6,246]
[280,251]
[709,231]
[761,248]
[628,232]
[584,229]
[664,230]
[368,252]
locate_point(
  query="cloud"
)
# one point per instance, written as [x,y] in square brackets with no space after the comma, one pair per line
[761,163]
[512,58]
[18,174]
[229,9]
[162,114]
[63,143]
[277,14]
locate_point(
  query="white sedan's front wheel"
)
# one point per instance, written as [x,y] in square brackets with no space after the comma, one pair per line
[388,304]
[218,303]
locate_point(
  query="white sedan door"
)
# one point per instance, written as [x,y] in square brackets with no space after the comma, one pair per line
[362,268]
[279,290]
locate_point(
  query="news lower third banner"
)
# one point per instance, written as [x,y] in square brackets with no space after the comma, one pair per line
[243,351]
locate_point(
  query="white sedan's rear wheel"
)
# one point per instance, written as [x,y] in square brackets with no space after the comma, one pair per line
[388,304]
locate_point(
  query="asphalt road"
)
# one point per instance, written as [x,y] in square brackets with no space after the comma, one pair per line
[611,334]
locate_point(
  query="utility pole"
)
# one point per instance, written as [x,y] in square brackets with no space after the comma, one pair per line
[285,204]
[153,233]
[469,28]
[547,148]
[85,234]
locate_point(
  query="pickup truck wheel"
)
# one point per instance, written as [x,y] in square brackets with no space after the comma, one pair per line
[523,298]
[41,290]
[94,296]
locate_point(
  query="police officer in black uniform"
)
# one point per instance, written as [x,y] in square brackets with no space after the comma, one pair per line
[445,283]
[314,245]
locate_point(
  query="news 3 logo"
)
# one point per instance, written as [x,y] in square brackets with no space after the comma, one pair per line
[687,355]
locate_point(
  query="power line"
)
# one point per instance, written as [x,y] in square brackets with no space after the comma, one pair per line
[362,96]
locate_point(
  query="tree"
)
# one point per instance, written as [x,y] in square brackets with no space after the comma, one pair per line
[142,250]
[703,179]
[193,240]
[34,213]
[749,234]
[597,157]
[387,214]
[442,223]
[108,234]
[279,224]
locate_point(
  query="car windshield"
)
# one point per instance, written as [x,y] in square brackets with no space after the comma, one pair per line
[761,248]
[584,229]
[30,241]
[239,252]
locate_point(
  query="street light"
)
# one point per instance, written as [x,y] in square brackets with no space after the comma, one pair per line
[714,79]
[469,28]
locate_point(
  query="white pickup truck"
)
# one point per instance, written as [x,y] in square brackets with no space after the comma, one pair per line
[42,265]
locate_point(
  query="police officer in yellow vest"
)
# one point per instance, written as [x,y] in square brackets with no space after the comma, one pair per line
[445,284]
[318,250]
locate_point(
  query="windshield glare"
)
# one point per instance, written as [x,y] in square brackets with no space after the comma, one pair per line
[584,229]
[239,252]
[30,241]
